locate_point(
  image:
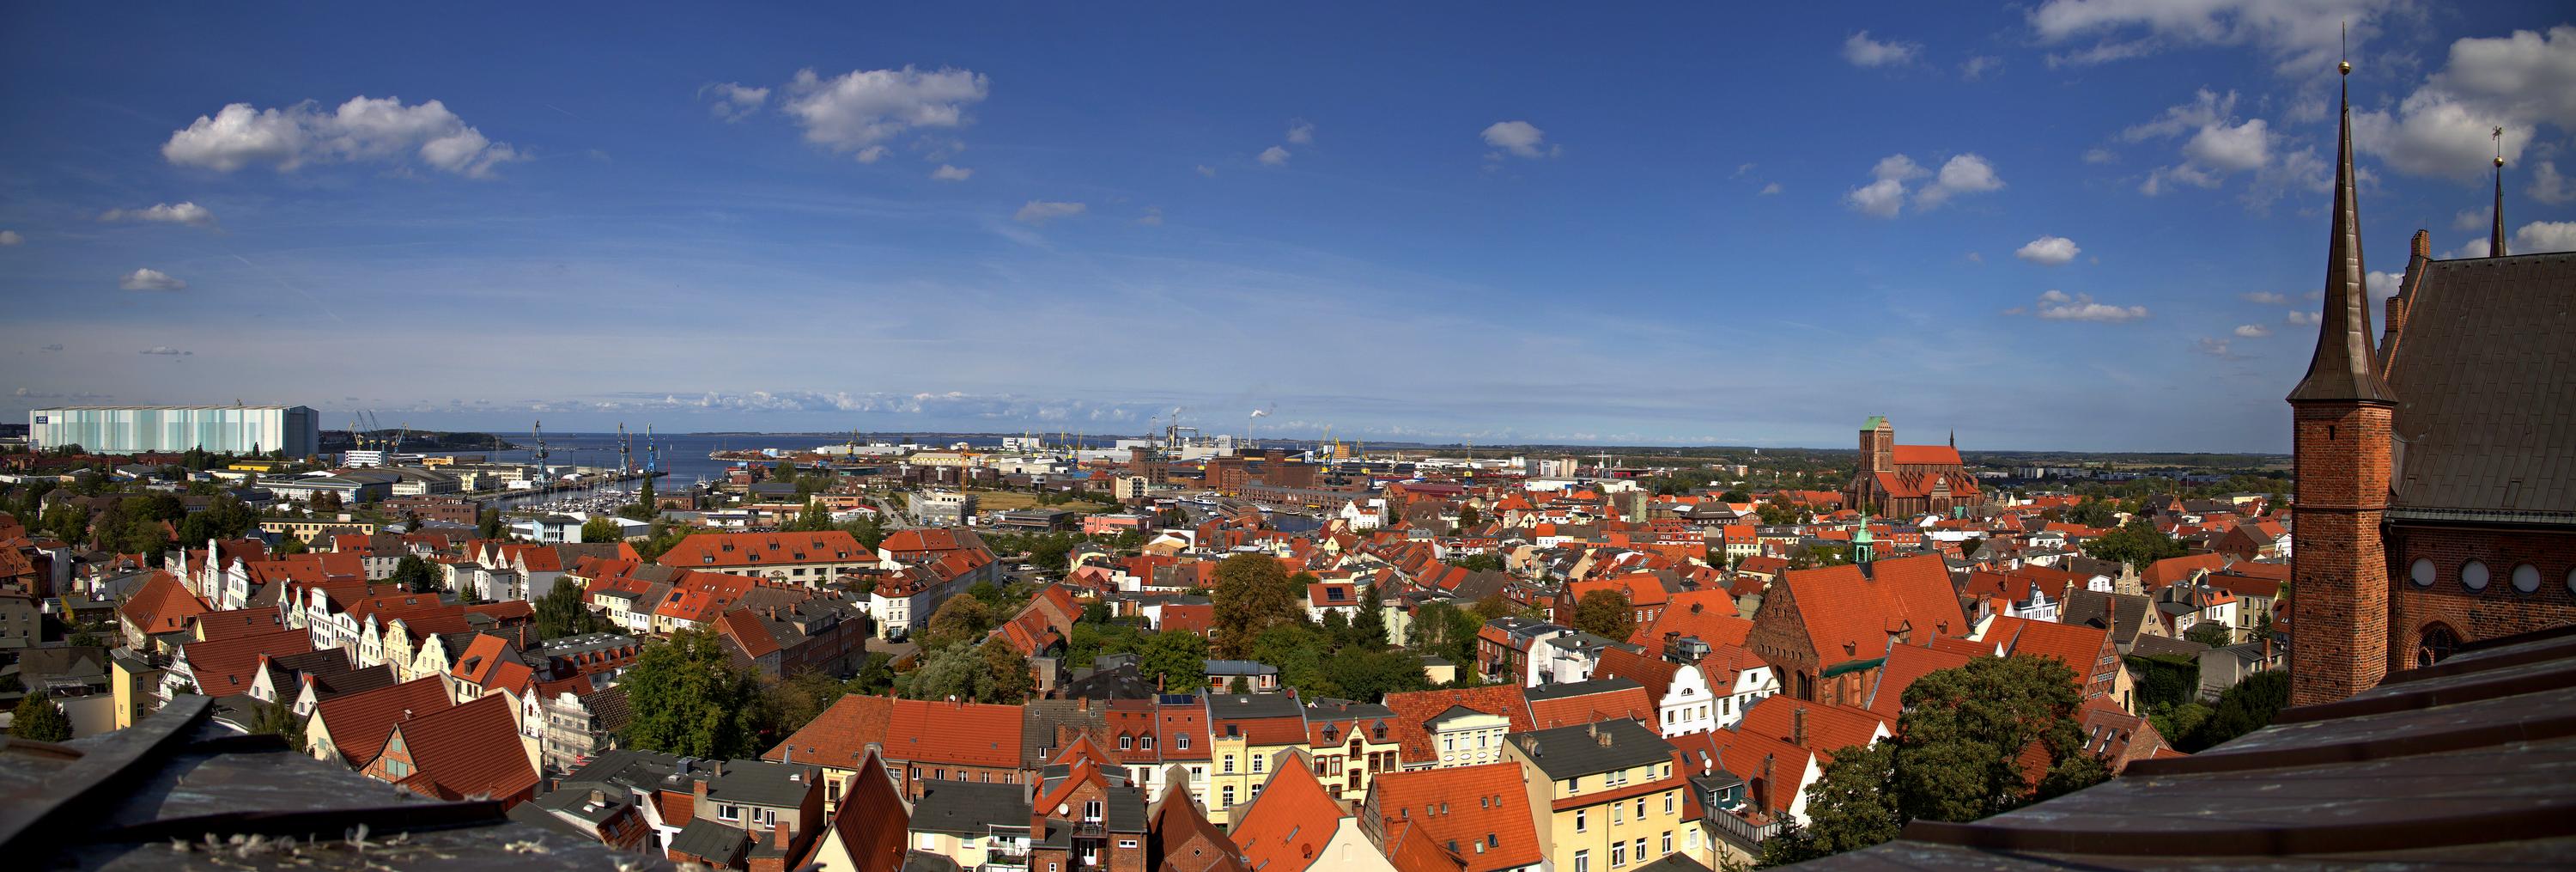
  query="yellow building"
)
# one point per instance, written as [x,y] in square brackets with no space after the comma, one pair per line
[307,530]
[1349,744]
[1246,733]
[1606,795]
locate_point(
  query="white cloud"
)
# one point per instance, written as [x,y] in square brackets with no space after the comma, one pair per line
[1520,138]
[2252,331]
[2238,148]
[2304,317]
[2475,247]
[2549,187]
[1974,257]
[10,237]
[1863,51]
[2267,298]
[2516,82]
[948,173]
[2050,250]
[2100,156]
[1885,197]
[363,129]
[1207,171]
[856,112]
[1274,156]
[1300,131]
[2383,285]
[167,351]
[2540,236]
[2213,347]
[2300,35]
[1770,189]
[2215,144]
[1963,174]
[1977,67]
[2469,219]
[189,214]
[150,280]
[733,101]
[1042,211]
[2057,305]
[1740,170]
[1153,217]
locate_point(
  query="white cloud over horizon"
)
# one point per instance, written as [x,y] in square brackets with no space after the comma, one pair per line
[363,129]
[148,279]
[2049,250]
[858,112]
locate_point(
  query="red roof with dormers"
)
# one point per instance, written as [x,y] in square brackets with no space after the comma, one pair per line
[1288,823]
[1850,615]
[753,550]
[1464,807]
[161,605]
[938,731]
[225,667]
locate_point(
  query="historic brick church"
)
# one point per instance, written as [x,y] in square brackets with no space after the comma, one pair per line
[2437,471]
[1906,480]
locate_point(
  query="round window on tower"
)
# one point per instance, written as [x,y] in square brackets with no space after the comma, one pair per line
[2526,578]
[2421,572]
[2473,575]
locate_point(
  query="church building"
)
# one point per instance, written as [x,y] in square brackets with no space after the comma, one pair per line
[1907,480]
[2436,500]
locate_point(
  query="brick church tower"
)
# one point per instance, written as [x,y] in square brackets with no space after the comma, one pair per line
[2341,413]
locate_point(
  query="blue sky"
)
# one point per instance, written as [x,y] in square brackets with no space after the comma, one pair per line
[2082,225]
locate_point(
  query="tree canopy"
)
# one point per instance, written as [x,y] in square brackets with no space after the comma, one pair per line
[1605,613]
[1956,756]
[562,612]
[1253,593]
[38,719]
[689,699]
[415,574]
[2137,543]
[600,529]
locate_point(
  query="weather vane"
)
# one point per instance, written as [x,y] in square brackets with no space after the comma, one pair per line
[2498,136]
[2346,66]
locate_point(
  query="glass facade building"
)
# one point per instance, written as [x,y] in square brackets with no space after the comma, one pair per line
[133,429]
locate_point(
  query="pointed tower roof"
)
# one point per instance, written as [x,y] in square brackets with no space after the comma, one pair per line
[2341,368]
[2495,237]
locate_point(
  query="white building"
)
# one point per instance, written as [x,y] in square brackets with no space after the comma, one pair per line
[133,429]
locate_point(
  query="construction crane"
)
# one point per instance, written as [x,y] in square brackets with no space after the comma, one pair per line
[538,454]
[652,463]
[625,451]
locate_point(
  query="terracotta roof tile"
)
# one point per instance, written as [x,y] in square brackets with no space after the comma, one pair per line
[1464,806]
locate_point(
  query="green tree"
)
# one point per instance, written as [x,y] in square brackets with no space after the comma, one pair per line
[1467,518]
[279,719]
[1775,515]
[1605,613]
[814,519]
[2090,512]
[1006,677]
[2250,705]
[600,529]
[1368,675]
[563,612]
[1253,593]
[1479,563]
[1369,626]
[645,507]
[960,619]
[1956,757]
[2210,633]
[802,697]
[1175,660]
[2137,543]
[867,529]
[1849,808]
[946,673]
[875,676]
[488,526]
[38,719]
[416,575]
[1298,650]
[689,699]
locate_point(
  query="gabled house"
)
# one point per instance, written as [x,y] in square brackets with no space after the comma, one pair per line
[1828,630]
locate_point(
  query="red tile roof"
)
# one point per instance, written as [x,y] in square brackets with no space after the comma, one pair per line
[871,823]
[1852,616]
[1706,614]
[161,605]
[839,737]
[470,750]
[360,722]
[1904,664]
[1623,702]
[225,667]
[737,550]
[1415,708]
[1461,807]
[2079,647]
[2174,570]
[973,734]
[1288,823]
[1830,728]
[1926,455]
[238,622]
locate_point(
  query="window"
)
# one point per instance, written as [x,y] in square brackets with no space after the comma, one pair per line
[1668,800]
[2473,575]
[1618,854]
[2526,578]
[1147,743]
[728,812]
[1229,764]
[1184,741]
[1126,743]
[1614,818]
[1582,861]
[1229,796]
[1667,844]
[1581,820]
[1127,843]
[1641,849]
[2421,572]
[1257,760]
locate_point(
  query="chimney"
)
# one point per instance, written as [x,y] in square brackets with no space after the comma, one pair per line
[1798,726]
[1767,760]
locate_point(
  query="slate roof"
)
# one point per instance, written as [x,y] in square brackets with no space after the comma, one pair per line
[1566,752]
[2482,376]
[969,808]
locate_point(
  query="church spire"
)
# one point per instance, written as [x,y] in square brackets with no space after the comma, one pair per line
[2341,367]
[2495,237]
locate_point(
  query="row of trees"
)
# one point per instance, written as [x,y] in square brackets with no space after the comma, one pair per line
[689,698]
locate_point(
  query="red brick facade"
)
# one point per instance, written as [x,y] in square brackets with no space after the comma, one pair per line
[2447,604]
[2338,570]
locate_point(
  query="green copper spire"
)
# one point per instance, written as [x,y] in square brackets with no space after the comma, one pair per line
[1861,542]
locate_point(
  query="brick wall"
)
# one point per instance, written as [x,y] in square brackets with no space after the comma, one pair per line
[2499,610]
[2338,568]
